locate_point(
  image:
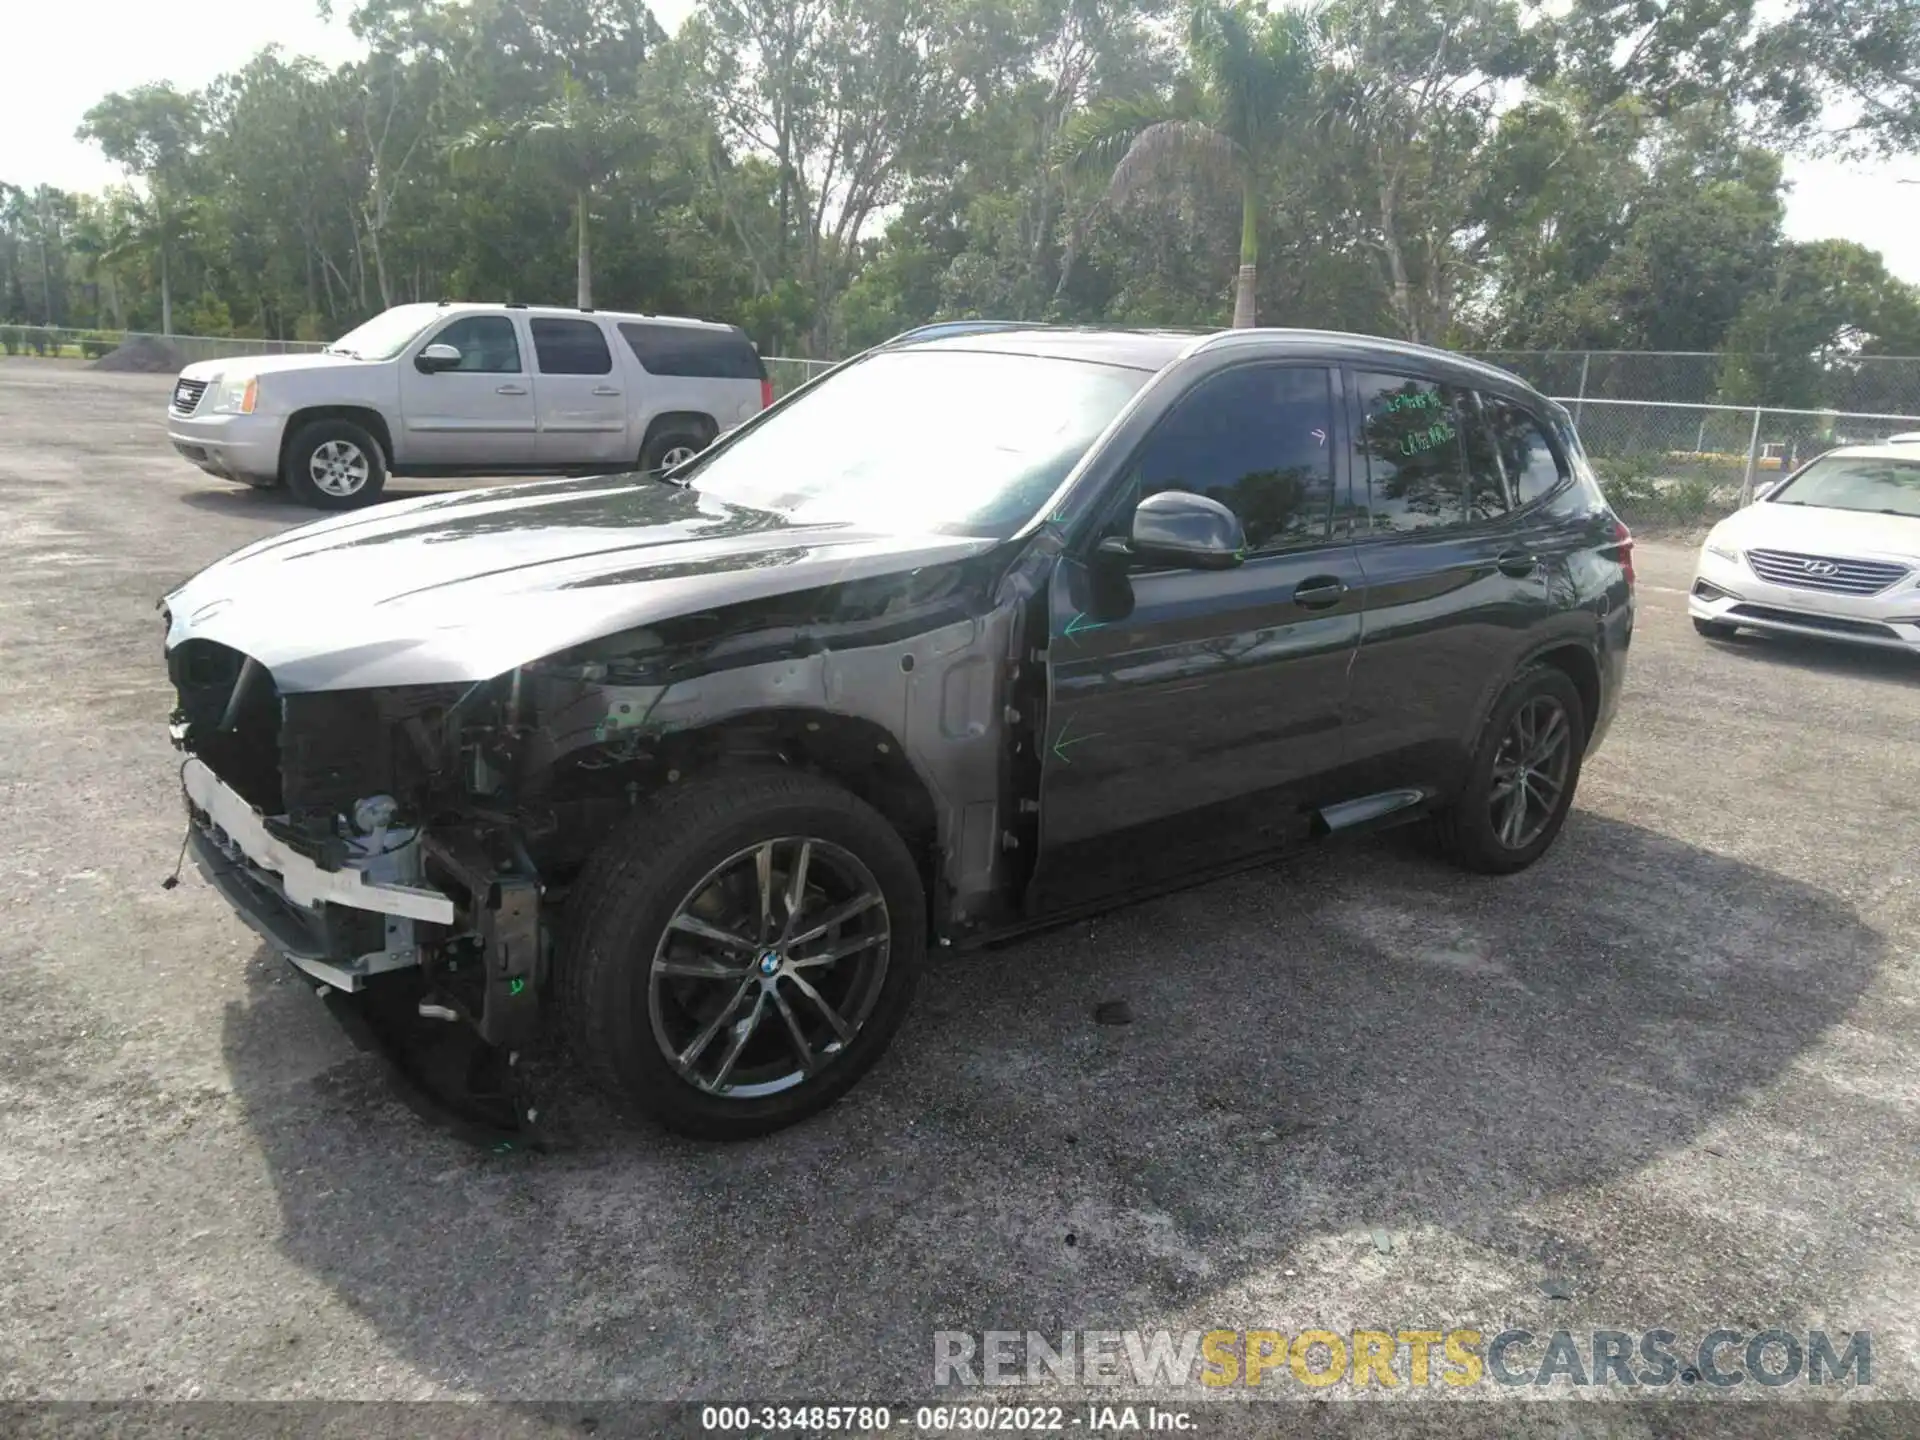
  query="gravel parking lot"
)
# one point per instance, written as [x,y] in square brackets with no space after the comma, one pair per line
[1667,1079]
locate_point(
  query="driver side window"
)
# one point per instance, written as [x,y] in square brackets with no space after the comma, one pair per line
[486,343]
[1258,439]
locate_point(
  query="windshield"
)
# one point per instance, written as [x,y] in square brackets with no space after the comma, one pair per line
[963,441]
[386,334]
[1856,482]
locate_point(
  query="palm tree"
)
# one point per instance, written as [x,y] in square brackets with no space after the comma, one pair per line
[1255,69]
[580,139]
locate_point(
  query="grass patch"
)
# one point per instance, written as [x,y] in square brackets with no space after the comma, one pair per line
[1646,495]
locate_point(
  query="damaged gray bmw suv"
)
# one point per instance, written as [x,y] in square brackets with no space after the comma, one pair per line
[978,630]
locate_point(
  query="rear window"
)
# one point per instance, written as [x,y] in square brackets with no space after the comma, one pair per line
[685,350]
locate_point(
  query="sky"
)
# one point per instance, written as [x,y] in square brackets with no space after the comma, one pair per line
[130,42]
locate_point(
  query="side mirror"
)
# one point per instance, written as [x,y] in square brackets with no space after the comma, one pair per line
[1184,531]
[436,357]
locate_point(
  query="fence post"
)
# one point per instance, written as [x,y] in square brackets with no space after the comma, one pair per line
[1753,461]
[1586,359]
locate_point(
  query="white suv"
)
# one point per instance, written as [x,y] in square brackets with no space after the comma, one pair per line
[468,390]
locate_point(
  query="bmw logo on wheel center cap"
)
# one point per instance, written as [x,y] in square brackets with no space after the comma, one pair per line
[769,963]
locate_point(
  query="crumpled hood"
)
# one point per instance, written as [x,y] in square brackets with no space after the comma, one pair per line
[463,587]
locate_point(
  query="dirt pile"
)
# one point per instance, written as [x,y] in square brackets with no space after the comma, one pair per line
[145,354]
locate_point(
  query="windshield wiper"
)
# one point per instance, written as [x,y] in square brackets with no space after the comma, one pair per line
[341,350]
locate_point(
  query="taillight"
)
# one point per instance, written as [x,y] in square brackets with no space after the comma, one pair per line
[1623,541]
[766,393]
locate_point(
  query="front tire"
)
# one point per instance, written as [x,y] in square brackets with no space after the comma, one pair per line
[741,951]
[1521,784]
[334,465]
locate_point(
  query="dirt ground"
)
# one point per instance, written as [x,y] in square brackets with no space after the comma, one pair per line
[1667,1079]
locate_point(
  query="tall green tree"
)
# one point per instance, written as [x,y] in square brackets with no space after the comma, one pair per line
[153,133]
[583,142]
[1825,305]
[1254,70]
[1408,111]
[1851,68]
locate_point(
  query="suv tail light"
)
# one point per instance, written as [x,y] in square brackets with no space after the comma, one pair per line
[766,392]
[1623,541]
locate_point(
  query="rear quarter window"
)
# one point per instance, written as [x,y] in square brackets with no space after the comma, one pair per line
[695,353]
[1533,464]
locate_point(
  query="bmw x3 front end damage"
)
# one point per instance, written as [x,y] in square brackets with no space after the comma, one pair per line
[350,830]
[421,849]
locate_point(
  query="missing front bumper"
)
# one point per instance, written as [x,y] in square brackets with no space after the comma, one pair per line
[338,926]
[302,881]
[344,926]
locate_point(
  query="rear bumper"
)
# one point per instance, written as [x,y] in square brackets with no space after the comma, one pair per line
[234,447]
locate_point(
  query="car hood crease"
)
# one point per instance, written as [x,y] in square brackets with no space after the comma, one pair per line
[463,587]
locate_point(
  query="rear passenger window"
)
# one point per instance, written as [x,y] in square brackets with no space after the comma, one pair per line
[694,351]
[1258,440]
[570,347]
[1532,463]
[1412,452]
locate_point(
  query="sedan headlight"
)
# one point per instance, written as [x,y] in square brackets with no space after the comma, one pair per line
[236,395]
[1722,549]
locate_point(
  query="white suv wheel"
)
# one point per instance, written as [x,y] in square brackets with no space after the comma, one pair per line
[340,468]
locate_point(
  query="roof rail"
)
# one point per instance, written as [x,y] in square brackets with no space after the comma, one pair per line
[941,329]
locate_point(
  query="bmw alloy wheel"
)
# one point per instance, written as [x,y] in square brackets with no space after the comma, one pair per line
[769,968]
[1530,772]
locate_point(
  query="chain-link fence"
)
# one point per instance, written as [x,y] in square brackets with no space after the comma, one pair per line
[50,342]
[1864,384]
[1699,461]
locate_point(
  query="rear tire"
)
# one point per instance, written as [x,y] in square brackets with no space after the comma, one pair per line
[672,447]
[1519,752]
[334,465]
[1715,629]
[689,986]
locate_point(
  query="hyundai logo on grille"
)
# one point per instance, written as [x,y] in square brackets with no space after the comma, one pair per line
[1819,567]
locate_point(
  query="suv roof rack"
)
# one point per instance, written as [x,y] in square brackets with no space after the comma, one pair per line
[941,329]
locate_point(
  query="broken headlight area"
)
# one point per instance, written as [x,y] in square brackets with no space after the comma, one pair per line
[370,836]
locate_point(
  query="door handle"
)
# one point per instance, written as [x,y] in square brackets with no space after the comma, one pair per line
[1317,592]
[510,390]
[605,390]
[1517,563]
